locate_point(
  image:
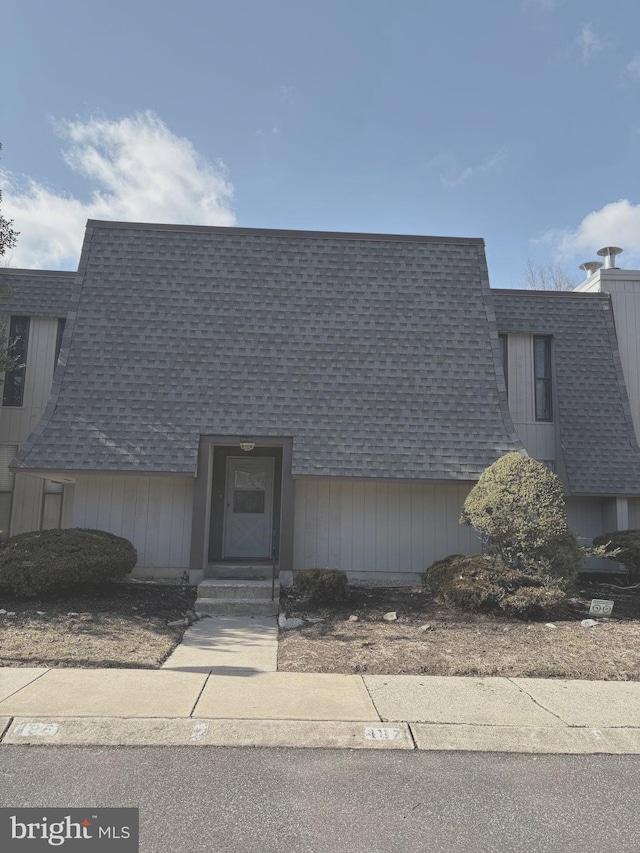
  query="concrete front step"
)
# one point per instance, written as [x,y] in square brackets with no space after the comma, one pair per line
[237,606]
[240,571]
[246,588]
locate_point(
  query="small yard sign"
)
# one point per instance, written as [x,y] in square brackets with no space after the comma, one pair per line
[600,607]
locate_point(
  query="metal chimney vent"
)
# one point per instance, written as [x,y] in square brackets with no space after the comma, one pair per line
[609,254]
[590,267]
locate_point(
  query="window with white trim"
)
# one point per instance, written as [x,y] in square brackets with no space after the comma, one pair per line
[542,377]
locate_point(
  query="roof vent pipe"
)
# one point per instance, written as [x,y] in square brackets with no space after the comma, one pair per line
[590,267]
[609,254]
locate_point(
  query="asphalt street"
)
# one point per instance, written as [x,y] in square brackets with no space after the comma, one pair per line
[262,800]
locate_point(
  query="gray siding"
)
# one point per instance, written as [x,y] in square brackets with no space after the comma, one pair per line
[538,438]
[17,422]
[152,512]
[374,526]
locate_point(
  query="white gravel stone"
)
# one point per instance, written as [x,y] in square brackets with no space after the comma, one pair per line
[391,616]
[353,618]
[588,623]
[288,624]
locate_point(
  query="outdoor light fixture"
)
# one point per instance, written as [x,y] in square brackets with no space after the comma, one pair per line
[247,446]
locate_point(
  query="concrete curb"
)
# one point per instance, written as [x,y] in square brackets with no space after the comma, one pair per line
[337,734]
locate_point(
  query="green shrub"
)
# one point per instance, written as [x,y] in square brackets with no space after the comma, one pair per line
[560,558]
[517,508]
[482,583]
[534,603]
[628,541]
[32,564]
[322,586]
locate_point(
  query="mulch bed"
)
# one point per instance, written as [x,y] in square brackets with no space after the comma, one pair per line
[461,643]
[120,625]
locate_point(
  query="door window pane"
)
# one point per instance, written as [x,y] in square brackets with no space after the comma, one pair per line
[245,500]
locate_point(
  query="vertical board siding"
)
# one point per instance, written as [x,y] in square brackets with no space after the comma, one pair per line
[16,422]
[378,526]
[634,513]
[26,507]
[152,512]
[538,438]
[585,517]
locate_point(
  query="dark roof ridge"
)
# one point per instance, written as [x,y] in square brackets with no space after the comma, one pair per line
[283,232]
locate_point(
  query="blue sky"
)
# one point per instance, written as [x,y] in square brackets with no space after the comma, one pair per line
[513,120]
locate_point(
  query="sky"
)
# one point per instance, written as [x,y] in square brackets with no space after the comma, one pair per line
[513,120]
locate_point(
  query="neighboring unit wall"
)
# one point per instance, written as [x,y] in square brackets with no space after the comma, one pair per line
[537,437]
[16,422]
[624,288]
[625,300]
[152,512]
[367,527]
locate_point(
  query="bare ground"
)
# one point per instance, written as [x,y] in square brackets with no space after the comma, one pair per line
[122,625]
[459,643]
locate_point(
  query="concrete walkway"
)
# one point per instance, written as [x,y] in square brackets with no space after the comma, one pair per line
[227,644]
[221,687]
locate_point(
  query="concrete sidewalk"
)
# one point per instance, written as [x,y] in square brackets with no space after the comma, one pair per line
[246,707]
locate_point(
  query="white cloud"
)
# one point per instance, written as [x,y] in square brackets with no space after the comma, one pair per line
[136,169]
[589,43]
[633,69]
[453,175]
[615,224]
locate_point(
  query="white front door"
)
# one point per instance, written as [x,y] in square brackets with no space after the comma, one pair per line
[248,516]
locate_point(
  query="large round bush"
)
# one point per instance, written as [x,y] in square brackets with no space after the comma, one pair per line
[482,583]
[32,564]
[517,508]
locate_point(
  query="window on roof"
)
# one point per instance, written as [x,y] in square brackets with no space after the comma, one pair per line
[13,391]
[542,377]
[505,359]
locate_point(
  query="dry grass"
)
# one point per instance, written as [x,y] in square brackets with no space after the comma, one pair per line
[457,643]
[120,626]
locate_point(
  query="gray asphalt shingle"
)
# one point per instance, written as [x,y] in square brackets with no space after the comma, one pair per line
[37,293]
[377,353]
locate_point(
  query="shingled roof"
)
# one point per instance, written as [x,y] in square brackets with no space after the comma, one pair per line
[599,447]
[378,354]
[37,293]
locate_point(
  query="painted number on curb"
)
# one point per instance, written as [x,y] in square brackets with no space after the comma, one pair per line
[381,734]
[38,729]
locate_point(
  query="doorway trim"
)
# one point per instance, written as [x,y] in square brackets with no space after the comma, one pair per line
[202,499]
